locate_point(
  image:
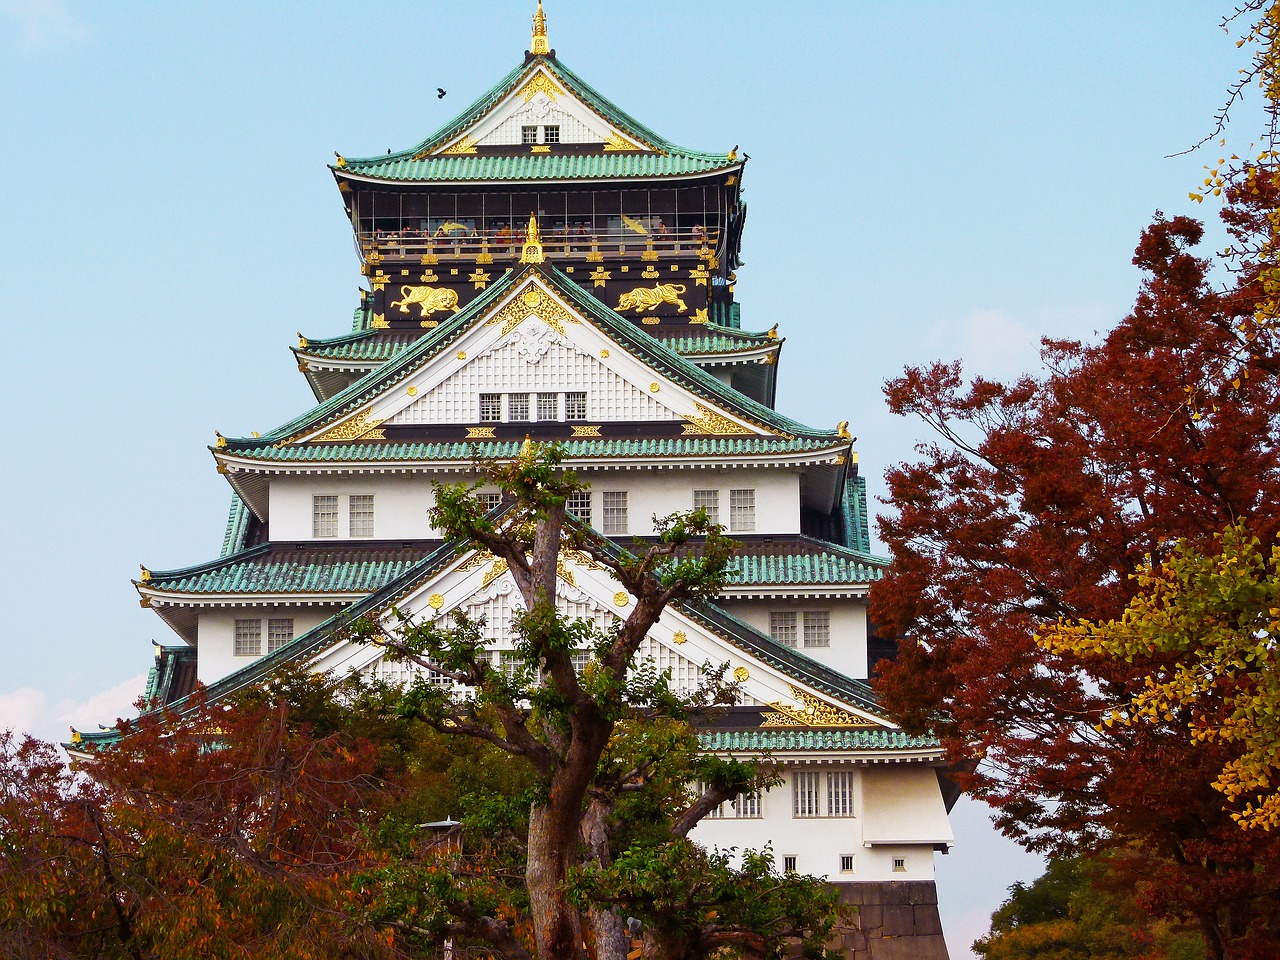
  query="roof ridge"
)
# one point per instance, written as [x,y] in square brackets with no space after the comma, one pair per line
[207,566]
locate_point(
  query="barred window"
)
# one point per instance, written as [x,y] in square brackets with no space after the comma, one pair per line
[548,406]
[708,500]
[782,626]
[279,632]
[248,638]
[806,790]
[324,515]
[490,407]
[748,806]
[846,863]
[742,510]
[817,628]
[551,133]
[613,511]
[789,863]
[360,514]
[490,501]
[579,504]
[517,406]
[840,793]
[575,406]
[899,864]
[529,134]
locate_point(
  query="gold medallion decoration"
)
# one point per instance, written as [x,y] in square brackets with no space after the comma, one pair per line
[649,253]
[428,277]
[650,273]
[700,316]
[479,433]
[641,299]
[462,354]
[699,277]
[380,280]
[429,300]
[540,83]
[621,598]
[412,391]
[812,712]
[464,146]
[532,302]
[679,638]
[480,279]
[429,260]
[362,426]
[599,275]
[581,431]
[618,142]
[742,674]
[493,573]
[708,422]
[540,148]
[655,387]
[436,601]
[604,354]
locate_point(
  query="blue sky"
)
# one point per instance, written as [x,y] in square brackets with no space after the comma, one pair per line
[927,180]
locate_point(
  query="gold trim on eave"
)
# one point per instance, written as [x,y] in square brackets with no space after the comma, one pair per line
[812,713]
[363,426]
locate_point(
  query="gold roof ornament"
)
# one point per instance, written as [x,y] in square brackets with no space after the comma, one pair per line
[532,251]
[526,450]
[842,430]
[146,574]
[539,44]
[220,441]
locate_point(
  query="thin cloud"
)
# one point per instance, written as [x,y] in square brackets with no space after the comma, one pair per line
[29,710]
[42,24]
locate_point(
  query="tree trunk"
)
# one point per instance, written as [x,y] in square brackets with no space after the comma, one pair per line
[557,924]
[611,940]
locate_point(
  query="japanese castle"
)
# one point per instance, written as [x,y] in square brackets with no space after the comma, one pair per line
[546,267]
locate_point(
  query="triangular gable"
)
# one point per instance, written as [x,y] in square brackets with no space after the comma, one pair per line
[480,586]
[534,338]
[538,98]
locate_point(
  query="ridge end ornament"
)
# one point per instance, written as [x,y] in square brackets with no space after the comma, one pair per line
[813,712]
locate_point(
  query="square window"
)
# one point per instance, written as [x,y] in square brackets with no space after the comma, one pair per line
[360,514]
[613,511]
[529,134]
[324,516]
[579,504]
[490,407]
[806,787]
[840,793]
[551,133]
[248,641]
[899,864]
[548,406]
[517,406]
[846,863]
[817,628]
[742,510]
[708,500]
[489,501]
[575,406]
[748,806]
[782,627]
[789,863]
[279,632]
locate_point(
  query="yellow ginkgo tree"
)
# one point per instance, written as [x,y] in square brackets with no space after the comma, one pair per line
[1206,626]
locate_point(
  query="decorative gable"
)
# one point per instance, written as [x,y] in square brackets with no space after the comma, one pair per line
[540,111]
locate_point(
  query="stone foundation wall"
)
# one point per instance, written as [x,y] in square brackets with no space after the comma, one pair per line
[894,921]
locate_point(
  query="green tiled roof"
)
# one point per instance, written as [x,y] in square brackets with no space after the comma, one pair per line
[653,351]
[282,568]
[809,739]
[237,526]
[830,567]
[581,449]
[718,339]
[366,345]
[667,160]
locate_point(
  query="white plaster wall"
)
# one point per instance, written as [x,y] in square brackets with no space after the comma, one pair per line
[848,650]
[215,633]
[401,501]
[818,843]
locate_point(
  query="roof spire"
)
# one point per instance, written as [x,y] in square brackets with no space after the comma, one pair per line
[532,251]
[539,44]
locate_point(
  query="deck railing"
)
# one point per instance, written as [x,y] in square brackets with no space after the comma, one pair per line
[409,246]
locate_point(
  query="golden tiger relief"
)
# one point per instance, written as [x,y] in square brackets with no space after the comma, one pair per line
[647,298]
[429,299]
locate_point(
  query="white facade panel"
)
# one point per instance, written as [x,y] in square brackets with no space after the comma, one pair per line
[216,634]
[847,651]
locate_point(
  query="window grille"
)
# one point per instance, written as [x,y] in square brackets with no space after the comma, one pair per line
[489,501]
[747,806]
[490,407]
[899,864]
[789,863]
[846,863]
[806,788]
[529,134]
[248,638]
[324,516]
[708,500]
[742,510]
[579,504]
[782,627]
[551,133]
[548,406]
[840,793]
[517,406]
[575,406]
[360,514]
[613,512]
[279,632]
[817,628]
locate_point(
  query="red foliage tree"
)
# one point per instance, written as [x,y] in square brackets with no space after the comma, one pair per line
[1037,501]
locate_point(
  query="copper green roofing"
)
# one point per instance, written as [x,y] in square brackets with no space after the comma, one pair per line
[720,340]
[274,445]
[803,561]
[810,739]
[416,165]
[373,346]
[237,526]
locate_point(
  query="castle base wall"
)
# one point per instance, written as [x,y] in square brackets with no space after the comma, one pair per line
[895,920]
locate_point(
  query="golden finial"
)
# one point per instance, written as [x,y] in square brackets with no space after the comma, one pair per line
[773,332]
[341,162]
[842,430]
[532,251]
[221,441]
[539,44]
[302,341]
[75,736]
[146,574]
[526,450]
